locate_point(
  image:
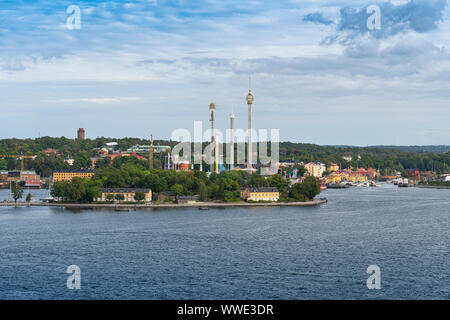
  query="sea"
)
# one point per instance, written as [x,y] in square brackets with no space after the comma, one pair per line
[294,253]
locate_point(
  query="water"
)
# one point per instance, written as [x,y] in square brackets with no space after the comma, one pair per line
[284,253]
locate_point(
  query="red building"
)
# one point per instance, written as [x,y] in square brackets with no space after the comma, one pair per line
[31,179]
[412,173]
[370,173]
[81,134]
[49,152]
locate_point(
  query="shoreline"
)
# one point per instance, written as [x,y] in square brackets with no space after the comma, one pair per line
[431,187]
[315,202]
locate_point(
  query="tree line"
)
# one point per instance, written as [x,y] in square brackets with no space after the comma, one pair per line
[382,158]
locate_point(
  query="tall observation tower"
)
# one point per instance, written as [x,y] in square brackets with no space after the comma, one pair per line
[250,99]
[212,109]
[231,146]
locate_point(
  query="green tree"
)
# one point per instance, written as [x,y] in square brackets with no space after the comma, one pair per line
[119,197]
[257,181]
[110,197]
[3,164]
[82,160]
[139,196]
[16,191]
[178,189]
[296,192]
[76,190]
[307,190]
[93,190]
[221,192]
[300,170]
[155,182]
[28,199]
[203,192]
[278,182]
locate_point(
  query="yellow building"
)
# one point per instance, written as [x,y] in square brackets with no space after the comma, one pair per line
[338,177]
[68,175]
[315,169]
[128,194]
[260,194]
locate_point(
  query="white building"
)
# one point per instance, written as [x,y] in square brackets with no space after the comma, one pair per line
[316,169]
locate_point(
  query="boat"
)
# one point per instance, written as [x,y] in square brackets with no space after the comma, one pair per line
[403,183]
[333,185]
[203,208]
[122,209]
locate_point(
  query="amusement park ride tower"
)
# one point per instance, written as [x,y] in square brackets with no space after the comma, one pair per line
[250,100]
[231,147]
[212,109]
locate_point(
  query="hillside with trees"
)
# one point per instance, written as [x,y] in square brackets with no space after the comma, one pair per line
[383,158]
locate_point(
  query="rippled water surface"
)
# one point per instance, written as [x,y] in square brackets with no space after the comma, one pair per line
[275,253]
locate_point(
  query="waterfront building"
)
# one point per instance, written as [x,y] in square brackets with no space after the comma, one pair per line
[166,196]
[412,173]
[31,179]
[128,194]
[315,169]
[346,176]
[260,194]
[68,175]
[370,173]
[187,199]
[14,176]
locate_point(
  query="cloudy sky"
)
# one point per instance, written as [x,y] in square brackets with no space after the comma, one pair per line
[319,74]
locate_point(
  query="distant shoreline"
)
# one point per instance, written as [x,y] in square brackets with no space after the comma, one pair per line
[315,202]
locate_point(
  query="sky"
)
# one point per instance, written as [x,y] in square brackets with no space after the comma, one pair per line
[318,72]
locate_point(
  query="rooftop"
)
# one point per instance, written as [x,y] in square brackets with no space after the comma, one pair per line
[124,190]
[262,189]
[74,171]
